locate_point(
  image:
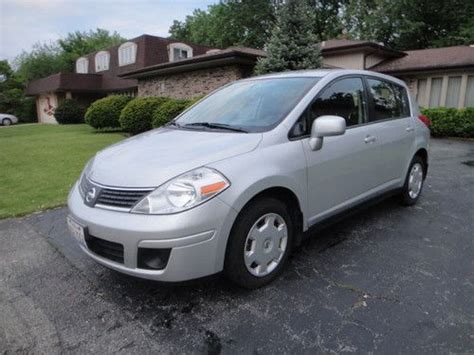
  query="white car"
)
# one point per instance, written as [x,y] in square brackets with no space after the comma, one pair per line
[7,120]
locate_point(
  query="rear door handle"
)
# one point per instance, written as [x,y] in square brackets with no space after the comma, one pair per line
[409,129]
[370,139]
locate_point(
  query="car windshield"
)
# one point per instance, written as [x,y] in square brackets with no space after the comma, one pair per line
[248,106]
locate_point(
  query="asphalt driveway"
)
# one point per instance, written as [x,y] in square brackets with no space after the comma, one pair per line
[389,279]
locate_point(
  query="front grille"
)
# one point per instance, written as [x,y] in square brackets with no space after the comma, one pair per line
[109,250]
[117,198]
[120,198]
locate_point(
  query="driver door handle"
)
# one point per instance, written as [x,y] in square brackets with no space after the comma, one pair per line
[370,139]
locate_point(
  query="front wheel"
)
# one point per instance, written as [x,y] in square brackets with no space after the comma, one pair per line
[413,182]
[6,122]
[259,243]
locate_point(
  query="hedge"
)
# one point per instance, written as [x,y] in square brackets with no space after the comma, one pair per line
[105,113]
[168,111]
[451,122]
[137,116]
[68,112]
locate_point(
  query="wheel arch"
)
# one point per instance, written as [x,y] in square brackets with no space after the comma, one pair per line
[287,196]
[423,154]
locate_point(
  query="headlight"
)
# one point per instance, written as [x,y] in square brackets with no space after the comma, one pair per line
[83,178]
[183,192]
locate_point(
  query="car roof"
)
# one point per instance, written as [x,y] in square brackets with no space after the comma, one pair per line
[320,73]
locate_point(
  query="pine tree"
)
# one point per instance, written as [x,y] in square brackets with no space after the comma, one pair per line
[293,44]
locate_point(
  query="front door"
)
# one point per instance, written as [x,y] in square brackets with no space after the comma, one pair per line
[344,170]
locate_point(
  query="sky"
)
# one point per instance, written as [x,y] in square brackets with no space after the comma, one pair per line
[26,22]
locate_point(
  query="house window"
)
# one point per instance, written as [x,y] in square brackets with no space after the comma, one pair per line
[454,88]
[127,53]
[421,92]
[102,61]
[82,65]
[179,51]
[470,92]
[435,93]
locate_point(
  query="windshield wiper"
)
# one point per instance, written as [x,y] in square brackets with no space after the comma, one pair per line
[217,126]
[173,123]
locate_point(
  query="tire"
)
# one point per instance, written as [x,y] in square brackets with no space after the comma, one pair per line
[414,180]
[259,233]
[6,122]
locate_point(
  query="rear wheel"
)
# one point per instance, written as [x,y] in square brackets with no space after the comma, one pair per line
[413,182]
[6,122]
[259,243]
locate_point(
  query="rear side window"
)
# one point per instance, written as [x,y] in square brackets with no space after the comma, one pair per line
[388,100]
[402,100]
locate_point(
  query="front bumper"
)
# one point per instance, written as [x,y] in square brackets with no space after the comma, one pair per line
[197,237]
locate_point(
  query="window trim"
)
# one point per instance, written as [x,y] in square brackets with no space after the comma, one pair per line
[83,59]
[124,46]
[333,81]
[98,54]
[181,46]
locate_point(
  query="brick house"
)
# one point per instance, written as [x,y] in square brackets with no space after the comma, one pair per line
[155,66]
[98,74]
[436,77]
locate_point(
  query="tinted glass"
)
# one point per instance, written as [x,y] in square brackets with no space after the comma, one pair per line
[344,98]
[386,100]
[403,104]
[256,105]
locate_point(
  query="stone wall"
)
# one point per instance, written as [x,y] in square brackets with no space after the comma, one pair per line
[190,84]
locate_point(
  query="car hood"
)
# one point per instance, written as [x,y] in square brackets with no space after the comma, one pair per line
[152,158]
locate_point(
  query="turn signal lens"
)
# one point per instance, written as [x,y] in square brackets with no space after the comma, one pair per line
[213,188]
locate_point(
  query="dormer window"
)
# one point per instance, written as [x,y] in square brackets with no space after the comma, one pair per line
[102,60]
[179,51]
[82,65]
[127,53]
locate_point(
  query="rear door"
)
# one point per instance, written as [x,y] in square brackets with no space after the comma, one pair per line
[390,115]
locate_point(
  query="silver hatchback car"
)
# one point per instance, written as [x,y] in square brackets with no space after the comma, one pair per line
[234,182]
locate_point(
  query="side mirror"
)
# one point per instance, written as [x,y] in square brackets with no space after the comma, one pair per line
[326,126]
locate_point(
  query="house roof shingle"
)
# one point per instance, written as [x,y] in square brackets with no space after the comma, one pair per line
[429,59]
[336,46]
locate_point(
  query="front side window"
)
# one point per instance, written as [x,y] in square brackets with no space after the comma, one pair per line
[344,98]
[253,106]
[127,53]
[102,61]
[82,65]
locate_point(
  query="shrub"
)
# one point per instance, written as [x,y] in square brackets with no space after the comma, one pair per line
[137,116]
[451,122]
[168,111]
[68,112]
[105,112]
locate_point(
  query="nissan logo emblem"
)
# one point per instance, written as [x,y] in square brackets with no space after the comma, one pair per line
[91,195]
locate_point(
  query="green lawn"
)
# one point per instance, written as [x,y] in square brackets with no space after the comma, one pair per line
[39,164]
